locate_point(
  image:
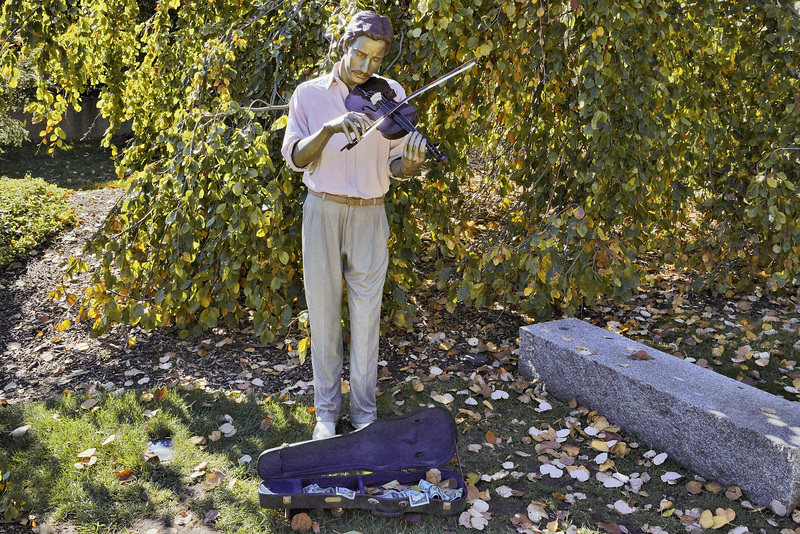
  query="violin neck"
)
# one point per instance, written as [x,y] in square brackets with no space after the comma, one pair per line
[433,151]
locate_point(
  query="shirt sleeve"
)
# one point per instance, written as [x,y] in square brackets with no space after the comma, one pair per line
[296,129]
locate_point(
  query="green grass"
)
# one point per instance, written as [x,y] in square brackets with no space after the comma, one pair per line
[30,211]
[756,346]
[77,165]
[33,209]
[44,459]
[93,500]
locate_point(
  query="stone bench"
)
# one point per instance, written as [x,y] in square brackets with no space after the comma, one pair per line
[723,429]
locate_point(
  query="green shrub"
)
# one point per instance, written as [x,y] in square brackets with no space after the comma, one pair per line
[30,211]
[11,498]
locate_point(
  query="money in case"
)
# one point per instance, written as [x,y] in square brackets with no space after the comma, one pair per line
[391,467]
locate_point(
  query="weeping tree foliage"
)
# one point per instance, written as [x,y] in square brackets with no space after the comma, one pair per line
[594,141]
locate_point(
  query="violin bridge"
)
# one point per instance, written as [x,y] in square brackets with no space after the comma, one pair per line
[376,98]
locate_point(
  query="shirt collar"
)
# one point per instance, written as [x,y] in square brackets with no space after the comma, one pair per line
[333,76]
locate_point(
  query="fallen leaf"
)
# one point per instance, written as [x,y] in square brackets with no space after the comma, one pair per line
[159,394]
[202,466]
[670,477]
[124,476]
[183,519]
[733,493]
[611,528]
[465,519]
[549,469]
[706,519]
[19,432]
[266,423]
[110,439]
[537,511]
[472,493]
[640,355]
[228,429]
[89,462]
[491,438]
[660,458]
[480,506]
[88,453]
[778,507]
[211,515]
[504,491]
[411,519]
[623,507]
[212,480]
[694,487]
[581,474]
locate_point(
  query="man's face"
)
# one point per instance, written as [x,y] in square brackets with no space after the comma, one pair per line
[361,60]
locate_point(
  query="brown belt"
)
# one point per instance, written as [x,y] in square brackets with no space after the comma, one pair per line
[350,201]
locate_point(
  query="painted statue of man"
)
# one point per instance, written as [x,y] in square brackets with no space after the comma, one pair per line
[345,230]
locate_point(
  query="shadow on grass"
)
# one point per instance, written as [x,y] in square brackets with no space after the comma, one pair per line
[79,165]
[46,460]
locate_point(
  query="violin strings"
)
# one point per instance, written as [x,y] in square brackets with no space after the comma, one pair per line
[405,123]
[386,107]
[401,119]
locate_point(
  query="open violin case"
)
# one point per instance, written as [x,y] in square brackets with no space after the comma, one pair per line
[391,467]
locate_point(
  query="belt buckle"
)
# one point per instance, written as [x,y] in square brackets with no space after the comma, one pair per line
[352,201]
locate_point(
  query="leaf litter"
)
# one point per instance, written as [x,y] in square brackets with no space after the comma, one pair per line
[669,322]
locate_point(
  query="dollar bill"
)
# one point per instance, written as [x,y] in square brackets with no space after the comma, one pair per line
[347,493]
[312,488]
[315,488]
[418,498]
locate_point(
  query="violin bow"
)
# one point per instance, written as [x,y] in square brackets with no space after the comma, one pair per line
[455,72]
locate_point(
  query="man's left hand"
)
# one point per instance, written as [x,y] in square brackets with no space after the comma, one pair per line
[413,154]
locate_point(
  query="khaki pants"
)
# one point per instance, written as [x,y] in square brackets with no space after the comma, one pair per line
[350,243]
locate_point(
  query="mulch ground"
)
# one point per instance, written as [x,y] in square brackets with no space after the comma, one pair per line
[38,362]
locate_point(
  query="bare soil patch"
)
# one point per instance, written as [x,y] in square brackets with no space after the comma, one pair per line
[37,361]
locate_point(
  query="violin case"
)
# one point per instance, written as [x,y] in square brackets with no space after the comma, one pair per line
[351,467]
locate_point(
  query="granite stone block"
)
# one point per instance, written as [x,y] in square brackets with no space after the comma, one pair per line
[724,430]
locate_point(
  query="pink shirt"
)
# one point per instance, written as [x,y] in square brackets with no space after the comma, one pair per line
[362,171]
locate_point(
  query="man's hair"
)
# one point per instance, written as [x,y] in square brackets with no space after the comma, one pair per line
[366,24]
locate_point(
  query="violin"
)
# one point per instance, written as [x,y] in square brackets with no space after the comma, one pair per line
[376,99]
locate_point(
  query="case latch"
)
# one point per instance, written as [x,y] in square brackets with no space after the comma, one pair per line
[287,499]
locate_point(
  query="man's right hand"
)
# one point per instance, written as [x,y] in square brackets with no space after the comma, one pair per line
[351,124]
